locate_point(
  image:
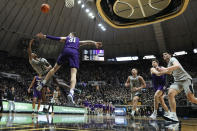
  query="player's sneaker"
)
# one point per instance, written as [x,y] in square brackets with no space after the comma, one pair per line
[70,99]
[45,110]
[171,117]
[132,115]
[173,126]
[166,114]
[153,116]
[33,113]
[154,124]
[39,87]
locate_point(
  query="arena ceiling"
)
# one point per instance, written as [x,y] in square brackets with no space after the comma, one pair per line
[21,19]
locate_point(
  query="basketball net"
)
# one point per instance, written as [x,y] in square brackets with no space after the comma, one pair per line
[69,3]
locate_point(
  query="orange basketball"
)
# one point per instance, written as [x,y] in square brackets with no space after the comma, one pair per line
[45,8]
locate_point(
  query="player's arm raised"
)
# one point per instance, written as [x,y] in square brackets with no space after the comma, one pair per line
[90,42]
[29,51]
[42,36]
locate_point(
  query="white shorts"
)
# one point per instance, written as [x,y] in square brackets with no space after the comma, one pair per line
[185,85]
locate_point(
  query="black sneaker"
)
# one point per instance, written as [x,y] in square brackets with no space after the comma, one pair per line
[45,110]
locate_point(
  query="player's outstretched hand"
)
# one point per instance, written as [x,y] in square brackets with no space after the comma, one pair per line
[40,35]
[98,44]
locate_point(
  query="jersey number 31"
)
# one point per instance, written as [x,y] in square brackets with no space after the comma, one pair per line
[72,40]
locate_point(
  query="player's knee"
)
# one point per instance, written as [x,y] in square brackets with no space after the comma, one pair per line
[156,96]
[171,94]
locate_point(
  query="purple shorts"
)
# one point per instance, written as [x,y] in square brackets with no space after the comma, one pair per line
[71,55]
[37,94]
[159,87]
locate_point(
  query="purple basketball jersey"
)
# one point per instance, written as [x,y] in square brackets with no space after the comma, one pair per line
[158,80]
[72,42]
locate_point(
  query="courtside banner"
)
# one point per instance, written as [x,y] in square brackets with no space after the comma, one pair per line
[27,107]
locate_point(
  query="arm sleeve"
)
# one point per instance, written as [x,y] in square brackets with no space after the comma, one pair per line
[53,37]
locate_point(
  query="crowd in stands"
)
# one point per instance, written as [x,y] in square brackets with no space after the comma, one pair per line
[113,74]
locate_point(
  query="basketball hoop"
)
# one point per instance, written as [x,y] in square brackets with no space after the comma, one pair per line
[69,3]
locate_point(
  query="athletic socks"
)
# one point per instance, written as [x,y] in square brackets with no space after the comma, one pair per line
[44,82]
[72,92]
[155,112]
[173,113]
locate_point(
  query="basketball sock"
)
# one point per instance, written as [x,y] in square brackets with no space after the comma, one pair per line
[44,82]
[72,92]
[155,111]
[173,113]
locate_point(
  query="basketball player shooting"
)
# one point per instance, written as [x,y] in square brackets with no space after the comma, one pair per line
[70,53]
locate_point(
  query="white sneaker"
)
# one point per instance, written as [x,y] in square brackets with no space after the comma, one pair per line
[165,114]
[154,124]
[172,117]
[174,126]
[153,116]
[132,114]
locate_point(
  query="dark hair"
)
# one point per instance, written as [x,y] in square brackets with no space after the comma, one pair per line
[155,60]
[74,33]
[135,69]
[168,52]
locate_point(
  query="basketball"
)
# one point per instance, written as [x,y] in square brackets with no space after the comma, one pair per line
[45,8]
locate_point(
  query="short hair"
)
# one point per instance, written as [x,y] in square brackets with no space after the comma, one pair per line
[155,60]
[135,69]
[168,52]
[74,33]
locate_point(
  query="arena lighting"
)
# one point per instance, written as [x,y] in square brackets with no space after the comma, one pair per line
[90,14]
[149,57]
[79,1]
[82,6]
[102,28]
[179,53]
[99,24]
[87,10]
[195,50]
[128,58]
